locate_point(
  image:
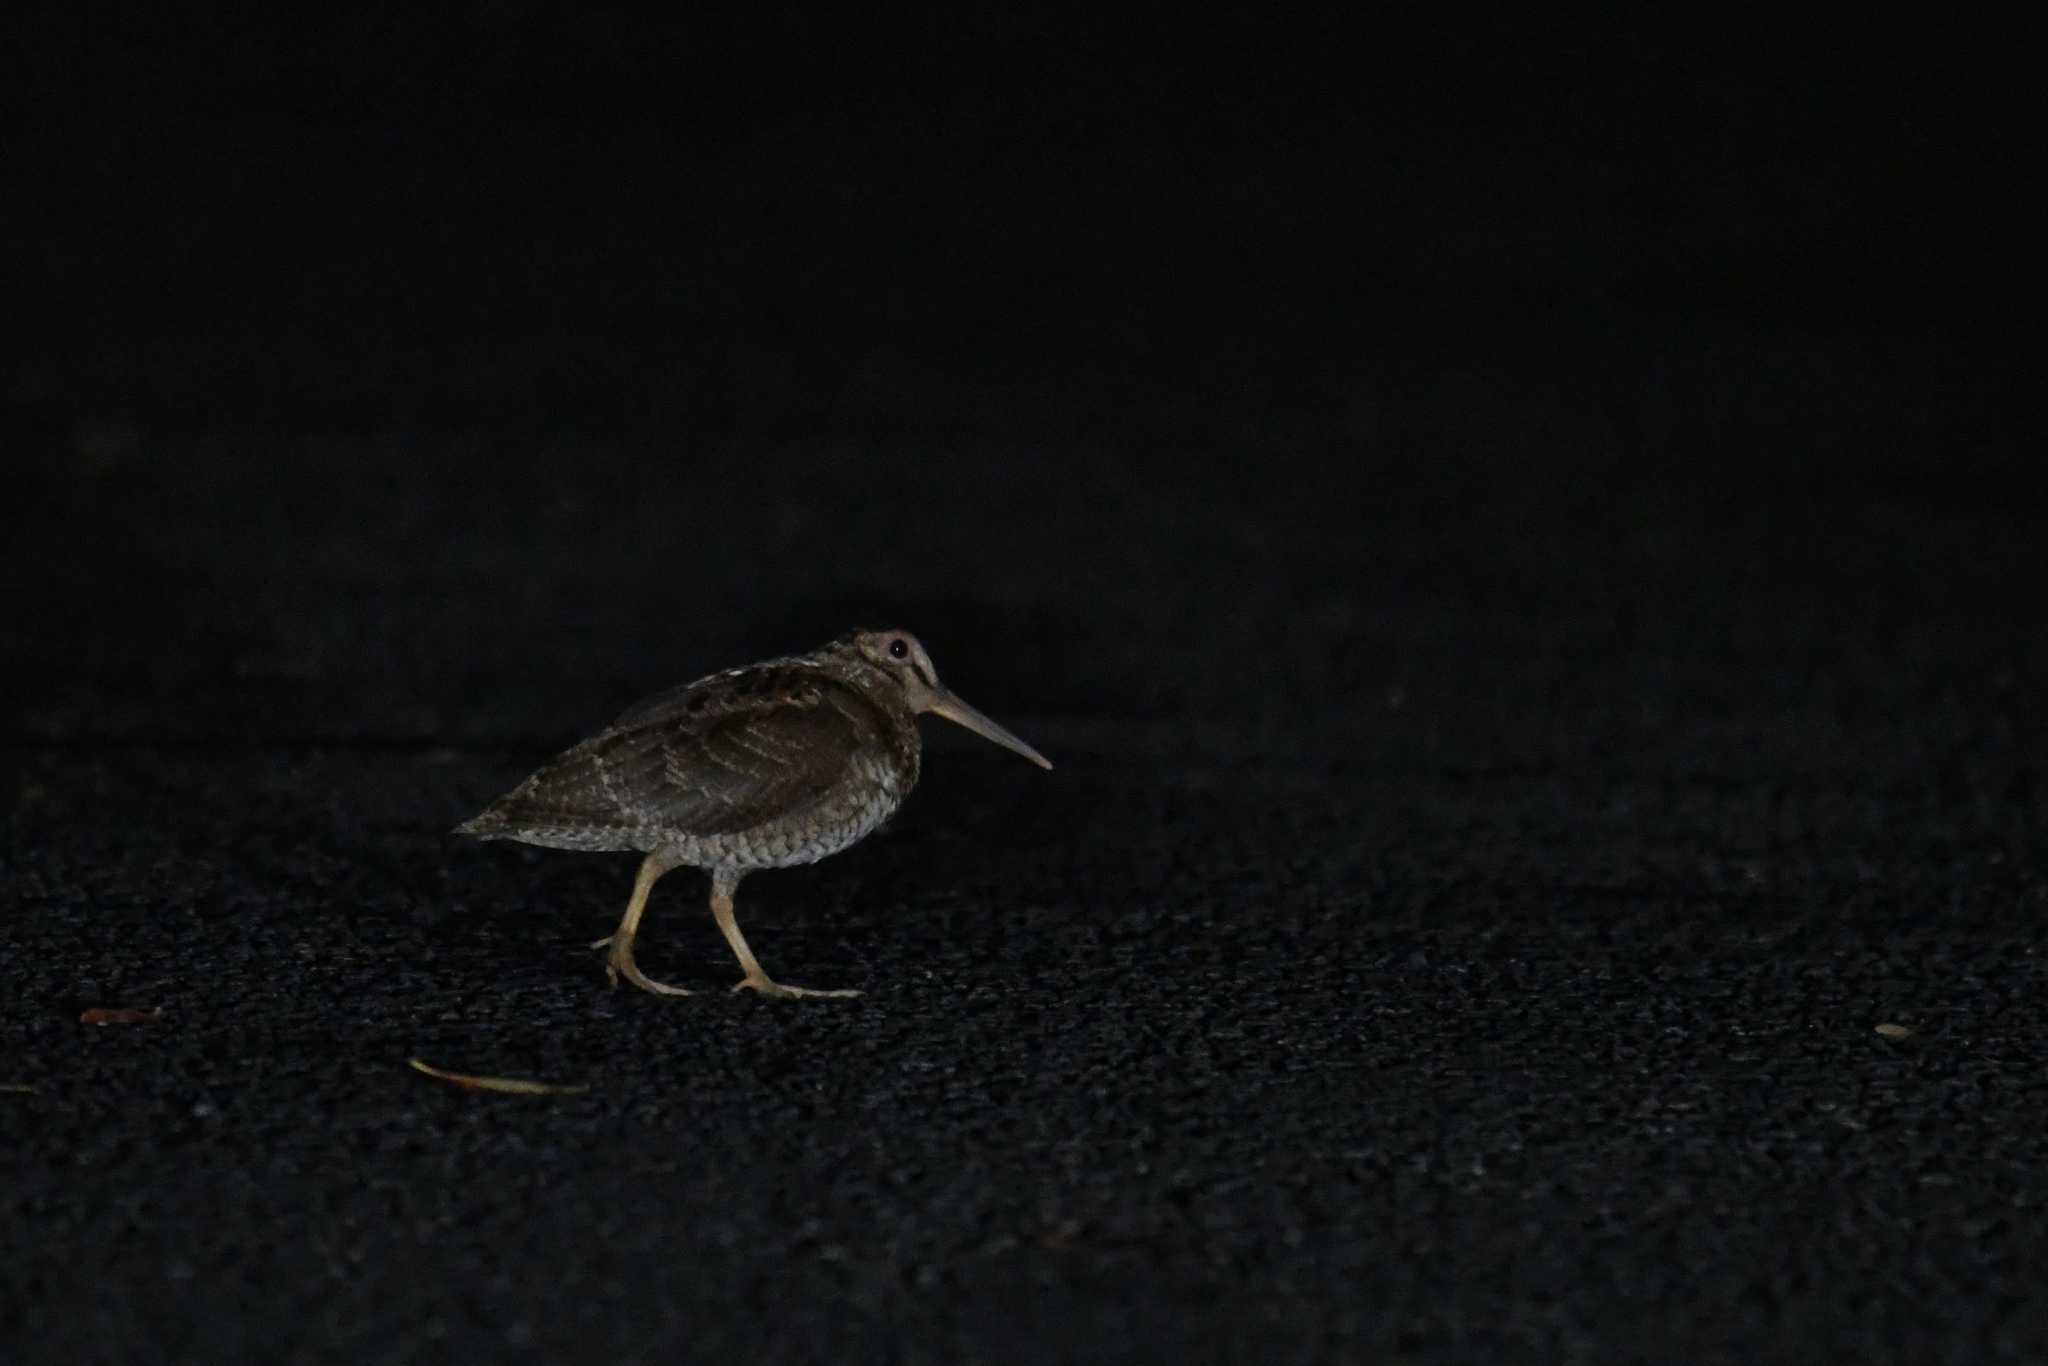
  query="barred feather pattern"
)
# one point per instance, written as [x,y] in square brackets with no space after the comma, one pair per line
[766,766]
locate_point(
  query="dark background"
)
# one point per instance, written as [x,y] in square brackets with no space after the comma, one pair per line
[1519,538]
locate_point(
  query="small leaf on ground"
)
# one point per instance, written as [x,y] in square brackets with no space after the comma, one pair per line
[106,1015]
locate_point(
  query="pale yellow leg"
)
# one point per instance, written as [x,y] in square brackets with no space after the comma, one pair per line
[756,980]
[620,961]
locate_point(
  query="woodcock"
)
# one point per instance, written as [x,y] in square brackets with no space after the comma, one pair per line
[767,766]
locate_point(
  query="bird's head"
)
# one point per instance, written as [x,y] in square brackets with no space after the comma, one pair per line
[900,658]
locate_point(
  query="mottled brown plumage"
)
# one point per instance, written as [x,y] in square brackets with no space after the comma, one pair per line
[774,764]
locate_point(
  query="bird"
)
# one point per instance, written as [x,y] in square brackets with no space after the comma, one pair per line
[769,765]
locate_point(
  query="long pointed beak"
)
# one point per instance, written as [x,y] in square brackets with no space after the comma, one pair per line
[959,713]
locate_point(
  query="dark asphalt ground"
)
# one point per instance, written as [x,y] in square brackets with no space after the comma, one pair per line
[1458,926]
[1549,845]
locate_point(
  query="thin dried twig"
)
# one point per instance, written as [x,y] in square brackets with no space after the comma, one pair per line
[15,1088]
[512,1086]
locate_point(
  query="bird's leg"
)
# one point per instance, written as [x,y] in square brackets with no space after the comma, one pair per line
[722,886]
[619,963]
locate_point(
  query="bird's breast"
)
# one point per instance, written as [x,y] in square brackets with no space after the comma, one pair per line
[867,795]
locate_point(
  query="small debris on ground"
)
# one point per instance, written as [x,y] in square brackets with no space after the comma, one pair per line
[513,1086]
[1893,1031]
[106,1015]
[15,1088]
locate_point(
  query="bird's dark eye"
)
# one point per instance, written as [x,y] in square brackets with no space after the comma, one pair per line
[898,648]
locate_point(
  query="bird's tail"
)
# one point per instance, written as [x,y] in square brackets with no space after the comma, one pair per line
[487,825]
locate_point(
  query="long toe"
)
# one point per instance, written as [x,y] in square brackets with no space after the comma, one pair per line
[622,965]
[780,992]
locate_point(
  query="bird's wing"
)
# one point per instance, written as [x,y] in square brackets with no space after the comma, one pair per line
[692,699]
[733,763]
[661,706]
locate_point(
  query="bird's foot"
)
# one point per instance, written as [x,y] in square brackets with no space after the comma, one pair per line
[780,992]
[621,964]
